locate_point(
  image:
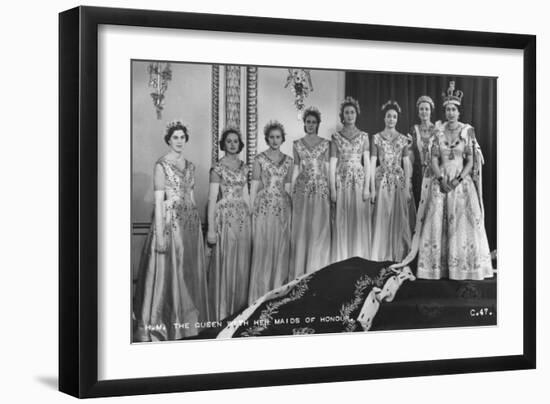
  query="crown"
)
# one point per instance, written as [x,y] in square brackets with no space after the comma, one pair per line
[175,123]
[427,99]
[393,104]
[350,101]
[452,96]
[311,110]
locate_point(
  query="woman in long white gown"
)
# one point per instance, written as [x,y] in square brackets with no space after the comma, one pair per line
[452,242]
[271,214]
[310,238]
[229,229]
[350,187]
[391,189]
[171,291]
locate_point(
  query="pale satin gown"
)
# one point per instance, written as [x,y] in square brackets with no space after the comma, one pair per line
[310,240]
[171,294]
[229,272]
[391,222]
[271,220]
[453,242]
[351,229]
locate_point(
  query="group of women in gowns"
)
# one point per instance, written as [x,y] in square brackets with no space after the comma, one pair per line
[331,201]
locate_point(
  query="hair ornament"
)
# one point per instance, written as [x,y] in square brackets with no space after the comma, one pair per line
[426,99]
[174,124]
[311,110]
[350,101]
[393,104]
[274,124]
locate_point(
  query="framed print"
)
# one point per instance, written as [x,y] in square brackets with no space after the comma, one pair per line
[251,201]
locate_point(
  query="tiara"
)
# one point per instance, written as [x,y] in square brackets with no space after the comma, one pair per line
[350,101]
[452,96]
[311,110]
[274,124]
[174,124]
[425,98]
[393,104]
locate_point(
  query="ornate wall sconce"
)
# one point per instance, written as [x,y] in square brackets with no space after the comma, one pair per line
[300,84]
[159,76]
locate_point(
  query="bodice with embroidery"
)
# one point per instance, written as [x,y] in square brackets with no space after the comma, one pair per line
[178,185]
[390,154]
[422,147]
[231,209]
[272,199]
[313,178]
[350,172]
[452,152]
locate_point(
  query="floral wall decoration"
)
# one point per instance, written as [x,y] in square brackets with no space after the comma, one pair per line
[300,84]
[159,76]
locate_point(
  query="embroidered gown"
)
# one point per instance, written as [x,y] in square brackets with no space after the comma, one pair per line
[351,228]
[420,152]
[171,289]
[453,242]
[310,239]
[229,272]
[271,227]
[391,222]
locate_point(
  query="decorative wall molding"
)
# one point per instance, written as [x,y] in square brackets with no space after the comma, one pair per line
[215,112]
[233,96]
[142,228]
[251,116]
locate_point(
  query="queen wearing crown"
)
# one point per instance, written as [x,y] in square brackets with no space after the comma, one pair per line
[452,242]
[171,291]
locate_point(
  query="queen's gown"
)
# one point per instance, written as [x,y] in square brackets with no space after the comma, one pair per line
[229,272]
[391,222]
[271,218]
[452,241]
[310,239]
[351,229]
[171,294]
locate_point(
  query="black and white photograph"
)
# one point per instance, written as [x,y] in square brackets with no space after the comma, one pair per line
[275,202]
[288,201]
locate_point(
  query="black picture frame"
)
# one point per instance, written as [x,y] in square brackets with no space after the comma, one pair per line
[78,201]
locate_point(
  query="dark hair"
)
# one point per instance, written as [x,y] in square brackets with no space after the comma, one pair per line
[316,114]
[390,107]
[459,107]
[271,126]
[226,133]
[348,102]
[170,131]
